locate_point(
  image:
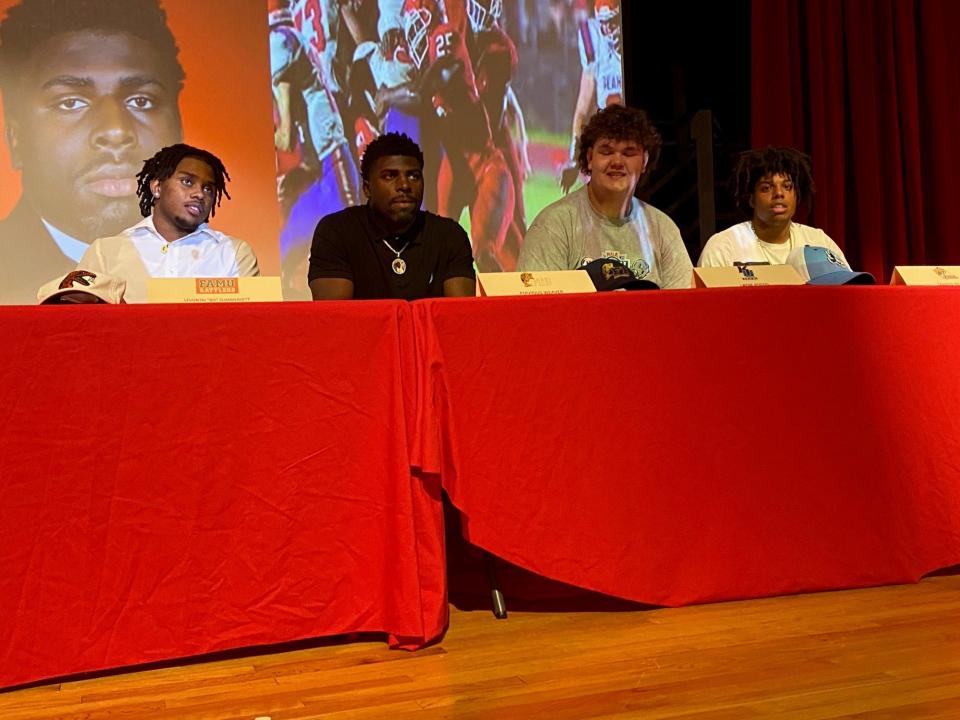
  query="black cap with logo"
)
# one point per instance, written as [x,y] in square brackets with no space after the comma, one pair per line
[613,274]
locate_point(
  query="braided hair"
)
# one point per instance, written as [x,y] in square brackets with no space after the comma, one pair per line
[751,166]
[162,165]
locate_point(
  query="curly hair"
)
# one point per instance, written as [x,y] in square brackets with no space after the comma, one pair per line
[618,122]
[30,23]
[388,144]
[753,165]
[162,165]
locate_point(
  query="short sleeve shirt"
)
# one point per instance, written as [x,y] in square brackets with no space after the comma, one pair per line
[349,244]
[739,243]
[569,233]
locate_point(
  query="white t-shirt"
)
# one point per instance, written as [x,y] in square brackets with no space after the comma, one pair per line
[739,243]
[569,233]
[140,252]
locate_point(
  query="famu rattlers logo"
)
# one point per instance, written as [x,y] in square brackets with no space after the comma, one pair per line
[77,277]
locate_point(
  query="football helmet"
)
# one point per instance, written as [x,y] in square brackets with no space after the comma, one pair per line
[607,13]
[418,18]
[484,14]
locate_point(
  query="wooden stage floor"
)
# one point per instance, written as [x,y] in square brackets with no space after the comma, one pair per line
[890,652]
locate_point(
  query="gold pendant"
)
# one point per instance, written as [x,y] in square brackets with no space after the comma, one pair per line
[163,250]
[399,266]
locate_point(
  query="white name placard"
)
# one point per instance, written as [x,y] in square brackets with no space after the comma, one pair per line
[214,290]
[746,276]
[547,282]
[926,275]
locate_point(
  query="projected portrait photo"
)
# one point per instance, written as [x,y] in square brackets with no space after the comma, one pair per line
[92,88]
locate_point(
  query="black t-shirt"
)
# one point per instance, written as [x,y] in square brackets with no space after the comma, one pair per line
[347,244]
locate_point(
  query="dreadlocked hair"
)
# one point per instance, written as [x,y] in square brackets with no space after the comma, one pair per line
[751,166]
[162,165]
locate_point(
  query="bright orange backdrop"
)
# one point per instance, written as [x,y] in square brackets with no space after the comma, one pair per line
[226,107]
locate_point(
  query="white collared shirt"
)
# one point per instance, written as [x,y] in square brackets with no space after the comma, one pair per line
[140,252]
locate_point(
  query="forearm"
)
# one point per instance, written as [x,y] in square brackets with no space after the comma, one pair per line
[460,287]
[331,289]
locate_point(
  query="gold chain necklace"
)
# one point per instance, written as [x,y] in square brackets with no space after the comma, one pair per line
[398,266]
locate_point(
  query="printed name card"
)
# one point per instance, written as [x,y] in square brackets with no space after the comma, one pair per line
[552,282]
[746,276]
[211,290]
[926,275]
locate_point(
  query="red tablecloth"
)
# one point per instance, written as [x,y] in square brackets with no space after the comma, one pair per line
[180,480]
[691,446]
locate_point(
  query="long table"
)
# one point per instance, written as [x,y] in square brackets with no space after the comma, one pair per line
[181,480]
[695,446]
[176,481]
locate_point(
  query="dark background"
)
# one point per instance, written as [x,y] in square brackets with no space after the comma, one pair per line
[678,60]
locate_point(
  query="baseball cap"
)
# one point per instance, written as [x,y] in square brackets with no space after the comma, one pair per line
[106,288]
[613,274]
[821,266]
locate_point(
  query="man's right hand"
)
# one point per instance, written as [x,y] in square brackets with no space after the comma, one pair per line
[568,176]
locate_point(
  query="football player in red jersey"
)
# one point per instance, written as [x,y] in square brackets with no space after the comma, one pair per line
[473,173]
[495,62]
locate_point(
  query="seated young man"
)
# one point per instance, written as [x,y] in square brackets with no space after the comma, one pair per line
[390,248]
[767,184]
[618,148]
[179,188]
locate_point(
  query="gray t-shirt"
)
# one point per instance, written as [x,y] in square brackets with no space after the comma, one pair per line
[569,233]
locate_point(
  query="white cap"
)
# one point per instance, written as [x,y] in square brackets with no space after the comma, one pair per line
[106,288]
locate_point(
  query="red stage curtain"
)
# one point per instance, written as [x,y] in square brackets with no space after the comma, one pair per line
[871,89]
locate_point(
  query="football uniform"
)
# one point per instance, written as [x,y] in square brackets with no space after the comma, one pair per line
[473,172]
[287,65]
[391,67]
[312,46]
[600,55]
[495,60]
[317,23]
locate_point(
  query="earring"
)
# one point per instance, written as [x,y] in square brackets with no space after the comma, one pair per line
[156,194]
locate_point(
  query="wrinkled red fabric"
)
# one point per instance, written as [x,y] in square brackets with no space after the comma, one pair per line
[182,480]
[701,445]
